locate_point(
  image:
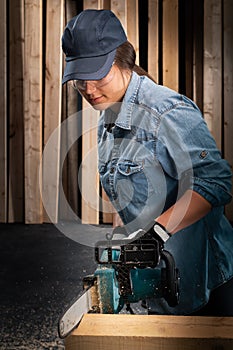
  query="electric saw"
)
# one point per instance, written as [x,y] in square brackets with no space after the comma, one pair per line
[127,272]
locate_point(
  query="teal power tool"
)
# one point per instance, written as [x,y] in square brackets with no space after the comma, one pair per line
[126,274]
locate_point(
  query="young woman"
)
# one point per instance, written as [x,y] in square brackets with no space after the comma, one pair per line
[158,162]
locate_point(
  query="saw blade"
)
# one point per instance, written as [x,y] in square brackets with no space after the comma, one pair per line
[87,302]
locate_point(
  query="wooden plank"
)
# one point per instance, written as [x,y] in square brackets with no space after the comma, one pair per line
[70,166]
[228,89]
[107,209]
[153,39]
[212,99]
[105,4]
[33,109]
[3,113]
[16,112]
[188,48]
[89,167]
[170,46]
[90,178]
[119,8]
[136,332]
[132,25]
[198,53]
[53,101]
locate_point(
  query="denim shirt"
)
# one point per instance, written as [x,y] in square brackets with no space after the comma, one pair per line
[158,148]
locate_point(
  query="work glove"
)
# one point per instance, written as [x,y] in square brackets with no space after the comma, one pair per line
[156,231]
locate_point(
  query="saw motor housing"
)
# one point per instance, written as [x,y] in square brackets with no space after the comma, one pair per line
[134,272]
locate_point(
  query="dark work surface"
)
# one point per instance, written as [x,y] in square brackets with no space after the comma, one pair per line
[41,272]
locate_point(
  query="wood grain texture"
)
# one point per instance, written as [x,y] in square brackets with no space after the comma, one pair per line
[212,95]
[33,110]
[16,108]
[136,332]
[3,113]
[53,100]
[228,89]
[170,44]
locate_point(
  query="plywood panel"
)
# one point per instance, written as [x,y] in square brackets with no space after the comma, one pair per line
[137,332]
[52,101]
[3,113]
[33,109]
[170,44]
[212,99]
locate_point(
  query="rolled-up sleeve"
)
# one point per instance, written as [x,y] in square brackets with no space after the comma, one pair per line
[186,148]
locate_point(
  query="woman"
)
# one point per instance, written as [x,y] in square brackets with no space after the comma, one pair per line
[158,162]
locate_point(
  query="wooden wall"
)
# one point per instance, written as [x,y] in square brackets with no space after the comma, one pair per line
[186,45]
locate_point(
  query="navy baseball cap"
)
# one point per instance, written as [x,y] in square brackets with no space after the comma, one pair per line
[89,42]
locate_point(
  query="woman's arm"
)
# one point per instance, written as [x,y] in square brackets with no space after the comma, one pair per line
[190,208]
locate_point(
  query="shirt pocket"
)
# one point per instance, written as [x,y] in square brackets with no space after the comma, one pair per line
[128,168]
[131,183]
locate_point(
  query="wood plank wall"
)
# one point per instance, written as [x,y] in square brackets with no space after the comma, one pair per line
[186,45]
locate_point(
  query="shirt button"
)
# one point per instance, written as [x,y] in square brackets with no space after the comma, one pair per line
[203,154]
[112,170]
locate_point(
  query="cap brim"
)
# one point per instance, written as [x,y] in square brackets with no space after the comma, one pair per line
[89,68]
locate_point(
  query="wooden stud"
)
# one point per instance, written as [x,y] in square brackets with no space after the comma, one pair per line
[16,112]
[33,109]
[153,39]
[198,53]
[228,89]
[105,4]
[3,113]
[52,102]
[89,167]
[136,332]
[132,25]
[212,104]
[170,44]
[90,178]
[70,166]
[107,209]
[119,7]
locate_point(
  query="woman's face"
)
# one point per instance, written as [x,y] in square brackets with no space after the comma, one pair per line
[104,93]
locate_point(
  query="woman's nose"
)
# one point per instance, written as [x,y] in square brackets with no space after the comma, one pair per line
[90,87]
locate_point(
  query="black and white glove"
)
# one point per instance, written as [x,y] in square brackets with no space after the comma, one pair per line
[157,231]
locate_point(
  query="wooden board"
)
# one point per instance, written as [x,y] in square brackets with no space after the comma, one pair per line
[198,53]
[16,80]
[137,332]
[70,166]
[212,99]
[90,179]
[170,44]
[3,113]
[119,7]
[228,89]
[89,167]
[132,25]
[153,39]
[33,109]
[53,101]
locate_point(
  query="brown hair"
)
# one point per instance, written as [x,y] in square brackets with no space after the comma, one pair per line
[125,58]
